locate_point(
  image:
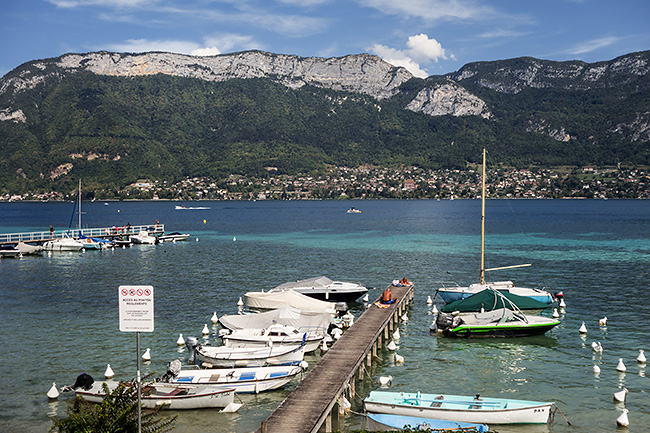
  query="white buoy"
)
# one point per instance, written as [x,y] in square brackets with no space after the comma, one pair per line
[205,330]
[181,340]
[622,420]
[234,239]
[197,239]
[405,318]
[109,372]
[53,393]
[603,321]
[596,369]
[323,346]
[215,318]
[597,347]
[429,300]
[385,380]
[392,345]
[435,310]
[240,303]
[641,358]
[146,356]
[399,359]
[620,367]
[583,328]
[555,313]
[396,335]
[562,304]
[620,395]
[336,333]
[304,364]
[366,298]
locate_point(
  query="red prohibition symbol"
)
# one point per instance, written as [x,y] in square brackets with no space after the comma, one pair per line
[147,292]
[132,292]
[139,292]
[125,292]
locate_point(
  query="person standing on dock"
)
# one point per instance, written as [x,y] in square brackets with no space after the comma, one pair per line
[51,232]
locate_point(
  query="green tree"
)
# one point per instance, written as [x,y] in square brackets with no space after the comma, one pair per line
[117,413]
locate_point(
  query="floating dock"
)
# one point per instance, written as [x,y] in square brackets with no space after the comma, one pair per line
[102,232]
[313,405]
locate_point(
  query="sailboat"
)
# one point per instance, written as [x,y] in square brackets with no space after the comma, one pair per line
[88,243]
[454,293]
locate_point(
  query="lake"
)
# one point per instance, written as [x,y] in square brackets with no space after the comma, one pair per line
[60,311]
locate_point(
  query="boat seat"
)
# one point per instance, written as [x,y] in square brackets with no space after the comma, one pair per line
[177,391]
[438,403]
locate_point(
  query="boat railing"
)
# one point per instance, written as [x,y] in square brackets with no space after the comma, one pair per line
[103,232]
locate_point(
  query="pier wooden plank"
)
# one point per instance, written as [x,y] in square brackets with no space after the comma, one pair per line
[307,407]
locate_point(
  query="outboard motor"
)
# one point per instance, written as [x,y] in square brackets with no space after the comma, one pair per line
[84,381]
[191,343]
[341,308]
[173,368]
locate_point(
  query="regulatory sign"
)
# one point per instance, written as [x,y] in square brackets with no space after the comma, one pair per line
[136,308]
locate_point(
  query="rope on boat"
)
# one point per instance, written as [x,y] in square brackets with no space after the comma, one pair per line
[557,409]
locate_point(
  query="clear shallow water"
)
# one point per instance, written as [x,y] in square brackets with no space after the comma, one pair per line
[60,313]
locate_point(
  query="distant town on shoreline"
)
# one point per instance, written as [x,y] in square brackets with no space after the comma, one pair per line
[382,183]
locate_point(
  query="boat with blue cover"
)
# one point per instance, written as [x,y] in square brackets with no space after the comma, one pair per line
[388,422]
[476,409]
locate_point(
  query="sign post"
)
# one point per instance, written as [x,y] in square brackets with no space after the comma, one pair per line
[136,315]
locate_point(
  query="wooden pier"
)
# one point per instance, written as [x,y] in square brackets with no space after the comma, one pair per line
[313,405]
[102,232]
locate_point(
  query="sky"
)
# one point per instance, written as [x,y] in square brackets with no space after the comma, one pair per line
[428,37]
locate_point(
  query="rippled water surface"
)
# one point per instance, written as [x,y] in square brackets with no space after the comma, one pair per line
[59,312]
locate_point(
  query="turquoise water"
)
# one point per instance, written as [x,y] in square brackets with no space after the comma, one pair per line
[60,313]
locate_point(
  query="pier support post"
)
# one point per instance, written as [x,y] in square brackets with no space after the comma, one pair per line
[352,390]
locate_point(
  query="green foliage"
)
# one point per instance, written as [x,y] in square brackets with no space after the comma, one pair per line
[111,131]
[117,413]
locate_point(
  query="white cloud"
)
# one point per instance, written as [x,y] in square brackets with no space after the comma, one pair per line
[146,45]
[431,9]
[210,51]
[106,3]
[420,49]
[212,46]
[593,45]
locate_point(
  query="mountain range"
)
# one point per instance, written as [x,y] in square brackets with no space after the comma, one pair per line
[113,118]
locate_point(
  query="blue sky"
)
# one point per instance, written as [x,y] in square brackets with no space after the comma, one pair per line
[428,37]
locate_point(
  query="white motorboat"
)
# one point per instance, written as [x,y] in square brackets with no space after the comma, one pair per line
[456,292]
[27,249]
[63,244]
[173,237]
[287,298]
[302,320]
[325,289]
[9,252]
[144,237]
[276,335]
[173,396]
[243,380]
[90,244]
[459,408]
[230,357]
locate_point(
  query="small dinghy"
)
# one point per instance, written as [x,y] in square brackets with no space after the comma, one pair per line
[477,409]
[229,357]
[243,380]
[387,422]
[154,394]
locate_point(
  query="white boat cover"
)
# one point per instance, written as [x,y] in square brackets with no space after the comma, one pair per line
[289,298]
[316,282]
[291,316]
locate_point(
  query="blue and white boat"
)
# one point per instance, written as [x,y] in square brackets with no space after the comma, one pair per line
[243,380]
[476,409]
[388,422]
[455,292]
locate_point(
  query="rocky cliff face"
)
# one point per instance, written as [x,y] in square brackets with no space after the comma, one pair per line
[514,75]
[448,98]
[361,73]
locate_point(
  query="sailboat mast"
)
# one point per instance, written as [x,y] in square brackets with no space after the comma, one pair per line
[483,224]
[79,208]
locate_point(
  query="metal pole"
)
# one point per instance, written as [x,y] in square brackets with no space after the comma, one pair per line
[137,337]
